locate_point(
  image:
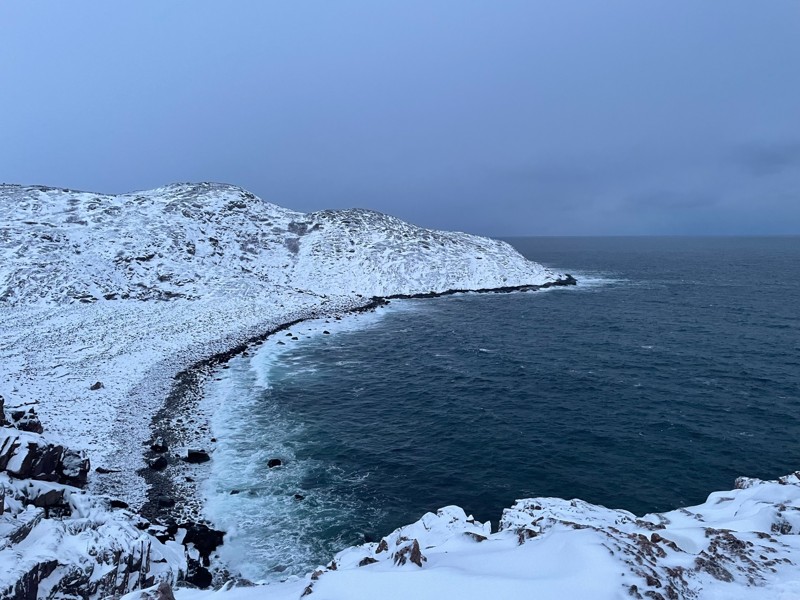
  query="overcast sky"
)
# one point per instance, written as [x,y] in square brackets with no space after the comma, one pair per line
[494,117]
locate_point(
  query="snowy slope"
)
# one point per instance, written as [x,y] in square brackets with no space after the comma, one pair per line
[194,240]
[741,544]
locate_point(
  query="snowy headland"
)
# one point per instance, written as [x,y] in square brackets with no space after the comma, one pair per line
[113,309]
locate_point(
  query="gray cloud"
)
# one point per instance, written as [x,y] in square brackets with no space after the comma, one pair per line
[769,159]
[507,118]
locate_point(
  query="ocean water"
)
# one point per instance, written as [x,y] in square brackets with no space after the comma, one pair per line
[672,368]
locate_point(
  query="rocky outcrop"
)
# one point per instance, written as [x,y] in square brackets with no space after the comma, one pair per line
[58,541]
[27,455]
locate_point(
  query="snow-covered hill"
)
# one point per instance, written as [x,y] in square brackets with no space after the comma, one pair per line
[195,240]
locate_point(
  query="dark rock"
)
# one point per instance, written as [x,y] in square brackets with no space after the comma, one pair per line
[37,459]
[326,332]
[2,411]
[280,343]
[164,592]
[96,386]
[16,415]
[45,498]
[367,561]
[410,552]
[234,492]
[29,421]
[299,497]
[165,501]
[114,503]
[27,586]
[158,464]
[274,462]
[295,338]
[197,456]
[198,575]
[104,471]
[159,445]
[204,539]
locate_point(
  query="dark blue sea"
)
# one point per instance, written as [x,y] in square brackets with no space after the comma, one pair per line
[671,369]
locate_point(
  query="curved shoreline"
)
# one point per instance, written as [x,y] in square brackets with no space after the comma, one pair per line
[186,393]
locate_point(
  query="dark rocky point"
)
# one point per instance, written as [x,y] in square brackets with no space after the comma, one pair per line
[299,497]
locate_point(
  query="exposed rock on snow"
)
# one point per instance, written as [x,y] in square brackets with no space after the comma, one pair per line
[738,544]
[58,541]
[27,455]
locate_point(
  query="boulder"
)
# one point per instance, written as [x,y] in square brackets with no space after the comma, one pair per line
[197,456]
[165,501]
[198,575]
[159,463]
[164,592]
[29,421]
[96,386]
[204,539]
[274,462]
[3,421]
[159,445]
[27,455]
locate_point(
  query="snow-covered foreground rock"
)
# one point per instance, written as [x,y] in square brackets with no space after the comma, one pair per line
[104,300]
[739,544]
